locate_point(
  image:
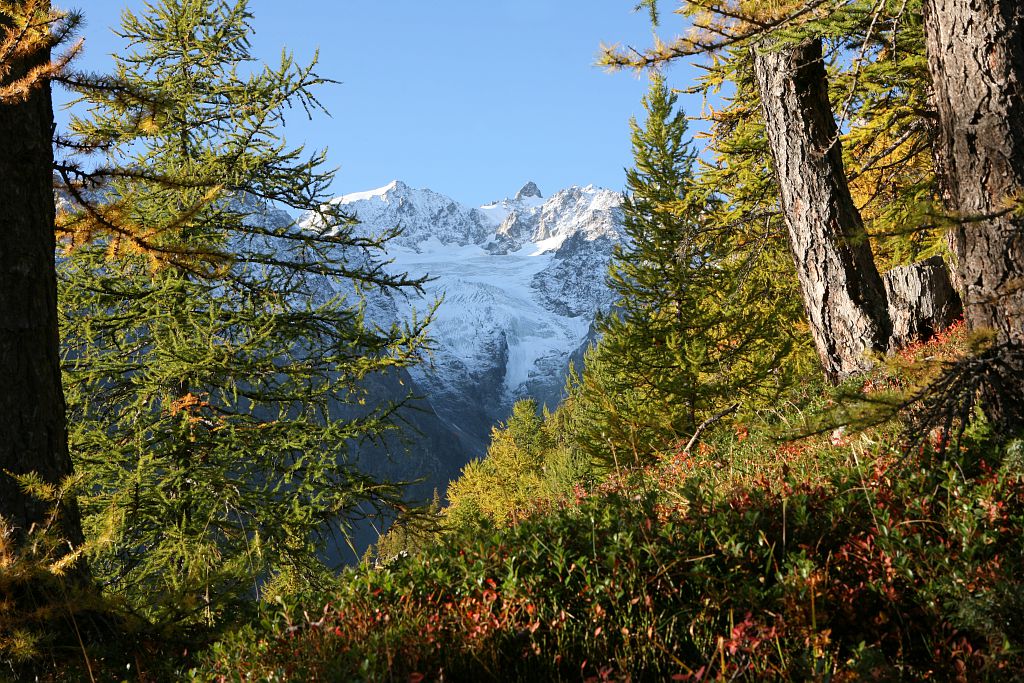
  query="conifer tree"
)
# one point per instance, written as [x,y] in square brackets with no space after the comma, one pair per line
[33,436]
[214,360]
[843,292]
[681,345]
[976,58]
[877,87]
[507,481]
[412,532]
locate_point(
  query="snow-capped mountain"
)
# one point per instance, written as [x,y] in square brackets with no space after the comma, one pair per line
[521,281]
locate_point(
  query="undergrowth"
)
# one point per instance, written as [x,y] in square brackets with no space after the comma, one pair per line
[845,555]
[837,553]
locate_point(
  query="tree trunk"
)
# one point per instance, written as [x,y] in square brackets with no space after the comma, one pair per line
[842,290]
[976,58]
[33,431]
[922,300]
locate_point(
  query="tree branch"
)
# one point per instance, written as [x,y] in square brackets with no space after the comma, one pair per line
[707,423]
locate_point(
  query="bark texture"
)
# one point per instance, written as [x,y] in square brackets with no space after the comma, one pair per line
[922,300]
[33,431]
[976,57]
[842,290]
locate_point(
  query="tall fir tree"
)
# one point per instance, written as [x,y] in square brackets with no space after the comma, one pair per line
[214,361]
[681,345]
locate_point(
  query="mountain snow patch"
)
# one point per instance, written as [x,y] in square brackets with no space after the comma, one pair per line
[520,279]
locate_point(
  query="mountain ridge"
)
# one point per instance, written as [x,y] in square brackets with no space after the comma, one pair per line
[521,278]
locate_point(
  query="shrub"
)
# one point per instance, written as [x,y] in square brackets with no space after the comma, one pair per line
[886,565]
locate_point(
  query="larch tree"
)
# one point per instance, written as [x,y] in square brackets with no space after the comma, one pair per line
[976,58]
[843,292]
[507,482]
[681,344]
[215,357]
[33,431]
[851,309]
[854,312]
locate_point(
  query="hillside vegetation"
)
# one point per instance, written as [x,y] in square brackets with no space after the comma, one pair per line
[795,450]
[847,555]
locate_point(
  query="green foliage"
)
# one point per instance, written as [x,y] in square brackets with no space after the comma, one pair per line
[214,363]
[566,466]
[839,556]
[704,320]
[55,624]
[527,464]
[738,168]
[880,87]
[215,393]
[35,582]
[411,533]
[878,83]
[694,331]
[807,560]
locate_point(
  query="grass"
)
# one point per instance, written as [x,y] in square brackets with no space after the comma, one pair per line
[844,555]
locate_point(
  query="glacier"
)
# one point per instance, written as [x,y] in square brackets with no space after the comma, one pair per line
[521,281]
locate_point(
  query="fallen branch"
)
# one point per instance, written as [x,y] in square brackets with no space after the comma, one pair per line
[707,423]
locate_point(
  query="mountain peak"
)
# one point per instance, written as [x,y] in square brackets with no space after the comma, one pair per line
[530,189]
[370,194]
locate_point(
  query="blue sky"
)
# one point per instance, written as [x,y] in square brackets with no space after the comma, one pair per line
[470,98]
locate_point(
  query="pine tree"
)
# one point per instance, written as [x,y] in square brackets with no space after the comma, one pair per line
[214,361]
[877,88]
[681,345]
[507,482]
[33,436]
